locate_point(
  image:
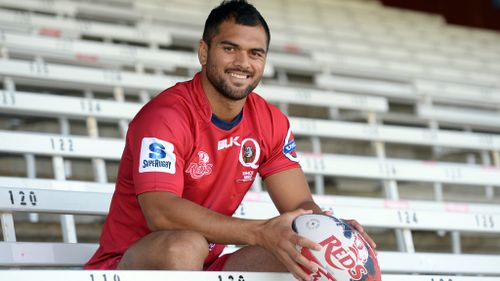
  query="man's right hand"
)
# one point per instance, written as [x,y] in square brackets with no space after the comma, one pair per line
[278,237]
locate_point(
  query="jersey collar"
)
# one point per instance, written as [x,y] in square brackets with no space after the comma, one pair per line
[200,98]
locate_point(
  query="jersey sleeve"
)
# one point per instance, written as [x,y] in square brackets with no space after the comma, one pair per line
[156,140]
[282,151]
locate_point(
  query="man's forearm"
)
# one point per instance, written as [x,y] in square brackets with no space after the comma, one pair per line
[179,214]
[311,205]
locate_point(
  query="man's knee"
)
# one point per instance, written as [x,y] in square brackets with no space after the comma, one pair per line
[176,250]
[184,245]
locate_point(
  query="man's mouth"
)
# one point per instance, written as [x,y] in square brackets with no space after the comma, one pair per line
[239,75]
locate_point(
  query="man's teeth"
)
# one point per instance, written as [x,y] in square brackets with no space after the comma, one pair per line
[239,76]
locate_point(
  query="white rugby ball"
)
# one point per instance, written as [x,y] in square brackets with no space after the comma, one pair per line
[344,256]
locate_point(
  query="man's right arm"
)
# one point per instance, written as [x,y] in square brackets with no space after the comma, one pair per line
[167,211]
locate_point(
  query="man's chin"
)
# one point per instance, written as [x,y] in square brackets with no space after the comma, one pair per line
[241,88]
[237,95]
[235,91]
[239,85]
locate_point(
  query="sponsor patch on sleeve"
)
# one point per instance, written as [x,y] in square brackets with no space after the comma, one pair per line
[289,148]
[157,156]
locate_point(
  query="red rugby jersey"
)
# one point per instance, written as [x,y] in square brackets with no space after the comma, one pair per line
[172,145]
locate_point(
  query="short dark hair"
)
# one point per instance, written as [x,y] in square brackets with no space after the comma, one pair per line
[241,11]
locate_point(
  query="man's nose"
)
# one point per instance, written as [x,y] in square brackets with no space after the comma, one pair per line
[242,60]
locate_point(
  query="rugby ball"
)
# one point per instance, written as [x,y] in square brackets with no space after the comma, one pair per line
[344,256]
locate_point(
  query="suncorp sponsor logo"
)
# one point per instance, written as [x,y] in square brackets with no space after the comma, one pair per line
[290,147]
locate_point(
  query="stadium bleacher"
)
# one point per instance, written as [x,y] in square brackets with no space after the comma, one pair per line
[395,114]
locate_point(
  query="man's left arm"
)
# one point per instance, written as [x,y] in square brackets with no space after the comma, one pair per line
[290,191]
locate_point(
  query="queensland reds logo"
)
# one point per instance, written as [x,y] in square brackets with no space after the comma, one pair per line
[249,153]
[340,258]
[345,259]
[202,168]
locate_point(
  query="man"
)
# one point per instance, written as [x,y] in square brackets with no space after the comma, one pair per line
[193,152]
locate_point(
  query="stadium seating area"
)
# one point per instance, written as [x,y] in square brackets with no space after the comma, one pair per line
[396,115]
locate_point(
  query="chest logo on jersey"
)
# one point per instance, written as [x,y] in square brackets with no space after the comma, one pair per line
[246,177]
[202,168]
[227,143]
[157,156]
[249,153]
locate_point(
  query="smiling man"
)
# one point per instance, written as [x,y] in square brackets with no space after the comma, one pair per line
[191,155]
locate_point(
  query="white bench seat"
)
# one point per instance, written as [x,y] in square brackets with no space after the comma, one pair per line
[312,163]
[68,146]
[394,218]
[394,134]
[464,93]
[396,22]
[63,197]
[102,54]
[56,197]
[74,255]
[38,104]
[416,90]
[399,169]
[71,28]
[387,89]
[402,70]
[460,116]
[65,76]
[131,275]
[322,98]
[394,262]
[56,75]
[44,254]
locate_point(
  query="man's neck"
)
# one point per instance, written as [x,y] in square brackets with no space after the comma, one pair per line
[224,108]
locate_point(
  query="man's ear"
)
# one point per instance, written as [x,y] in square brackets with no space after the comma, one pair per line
[202,52]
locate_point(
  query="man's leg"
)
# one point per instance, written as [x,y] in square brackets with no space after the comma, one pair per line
[253,258]
[176,250]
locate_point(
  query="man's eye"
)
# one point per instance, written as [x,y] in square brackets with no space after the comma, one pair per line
[257,54]
[229,49]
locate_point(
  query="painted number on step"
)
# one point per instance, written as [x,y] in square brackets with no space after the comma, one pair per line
[104,277]
[441,279]
[62,144]
[231,278]
[22,198]
[484,221]
[407,217]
